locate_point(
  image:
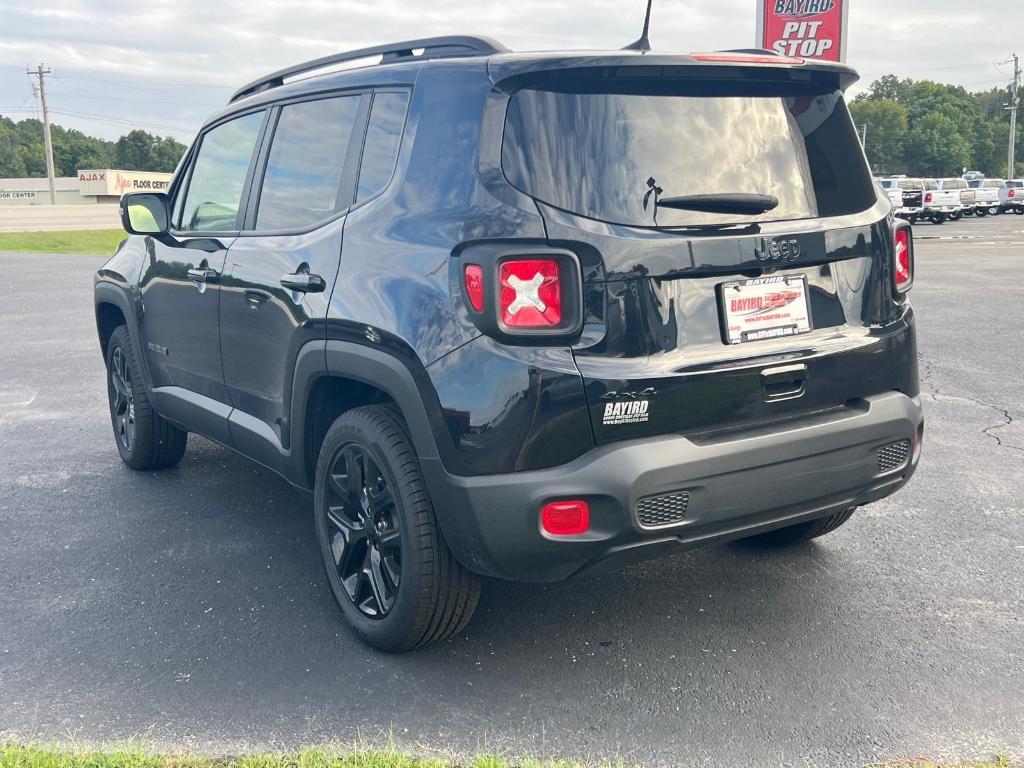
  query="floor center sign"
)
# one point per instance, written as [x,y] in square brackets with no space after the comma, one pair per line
[809,29]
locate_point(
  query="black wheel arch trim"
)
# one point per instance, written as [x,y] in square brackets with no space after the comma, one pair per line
[393,376]
[106,292]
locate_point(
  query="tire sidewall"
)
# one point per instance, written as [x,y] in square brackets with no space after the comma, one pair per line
[119,339]
[396,630]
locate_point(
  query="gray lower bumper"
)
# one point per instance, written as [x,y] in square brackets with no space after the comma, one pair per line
[738,483]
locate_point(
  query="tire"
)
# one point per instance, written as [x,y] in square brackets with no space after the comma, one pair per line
[795,534]
[1019,211]
[955,216]
[144,439]
[981,212]
[938,218]
[386,561]
[995,211]
[912,220]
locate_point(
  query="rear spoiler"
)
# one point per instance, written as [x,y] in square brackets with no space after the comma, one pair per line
[511,72]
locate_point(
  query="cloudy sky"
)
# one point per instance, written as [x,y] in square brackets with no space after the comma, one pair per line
[164,65]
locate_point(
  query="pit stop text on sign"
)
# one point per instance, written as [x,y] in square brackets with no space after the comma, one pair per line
[800,38]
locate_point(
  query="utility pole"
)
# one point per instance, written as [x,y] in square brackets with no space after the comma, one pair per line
[41,71]
[1012,108]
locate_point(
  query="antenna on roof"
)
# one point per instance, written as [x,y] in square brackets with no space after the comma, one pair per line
[643,44]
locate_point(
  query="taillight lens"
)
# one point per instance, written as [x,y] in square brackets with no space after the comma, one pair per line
[928,197]
[474,279]
[530,293]
[1011,193]
[903,258]
[565,518]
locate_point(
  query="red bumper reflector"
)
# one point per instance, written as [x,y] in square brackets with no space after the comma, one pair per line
[565,518]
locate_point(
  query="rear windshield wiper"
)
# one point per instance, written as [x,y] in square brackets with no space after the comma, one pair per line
[728,202]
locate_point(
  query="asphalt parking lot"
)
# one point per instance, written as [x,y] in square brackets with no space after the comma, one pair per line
[189,606]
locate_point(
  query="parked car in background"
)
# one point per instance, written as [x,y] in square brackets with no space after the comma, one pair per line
[967,198]
[986,195]
[938,204]
[1011,196]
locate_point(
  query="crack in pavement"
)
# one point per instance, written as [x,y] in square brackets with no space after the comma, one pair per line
[926,377]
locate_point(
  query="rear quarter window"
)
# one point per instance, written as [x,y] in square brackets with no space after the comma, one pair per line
[383,137]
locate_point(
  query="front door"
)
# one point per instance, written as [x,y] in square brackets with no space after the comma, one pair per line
[181,287]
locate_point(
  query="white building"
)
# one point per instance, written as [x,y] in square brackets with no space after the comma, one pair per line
[91,186]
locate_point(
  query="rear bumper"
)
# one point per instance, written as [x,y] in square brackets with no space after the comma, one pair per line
[737,484]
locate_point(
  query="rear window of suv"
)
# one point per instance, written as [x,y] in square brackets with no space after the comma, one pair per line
[598,153]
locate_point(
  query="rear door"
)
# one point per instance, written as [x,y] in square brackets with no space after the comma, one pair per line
[734,248]
[279,271]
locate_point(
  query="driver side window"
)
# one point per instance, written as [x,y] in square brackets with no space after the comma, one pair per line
[214,192]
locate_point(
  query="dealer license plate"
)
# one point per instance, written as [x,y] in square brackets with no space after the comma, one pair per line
[764,308]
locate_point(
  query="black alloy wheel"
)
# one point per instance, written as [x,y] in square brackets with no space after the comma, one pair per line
[122,405]
[364,531]
[144,439]
[388,566]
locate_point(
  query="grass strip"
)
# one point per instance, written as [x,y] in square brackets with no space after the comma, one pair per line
[136,755]
[84,241]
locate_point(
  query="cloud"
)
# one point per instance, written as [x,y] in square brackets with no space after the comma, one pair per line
[170,63]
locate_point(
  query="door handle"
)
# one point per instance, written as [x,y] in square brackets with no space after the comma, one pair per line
[203,275]
[303,282]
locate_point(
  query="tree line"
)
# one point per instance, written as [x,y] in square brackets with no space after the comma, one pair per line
[923,128]
[913,126]
[22,152]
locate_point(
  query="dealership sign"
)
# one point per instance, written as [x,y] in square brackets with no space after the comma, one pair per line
[809,29]
[113,182]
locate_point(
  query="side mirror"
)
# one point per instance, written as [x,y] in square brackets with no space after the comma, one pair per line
[145,213]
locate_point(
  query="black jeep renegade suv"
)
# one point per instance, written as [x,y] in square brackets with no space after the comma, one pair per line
[523,315]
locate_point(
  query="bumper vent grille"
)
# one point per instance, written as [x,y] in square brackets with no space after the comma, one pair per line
[893,456]
[660,511]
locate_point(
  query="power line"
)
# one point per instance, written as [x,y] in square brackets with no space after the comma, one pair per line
[136,80]
[134,101]
[123,121]
[937,69]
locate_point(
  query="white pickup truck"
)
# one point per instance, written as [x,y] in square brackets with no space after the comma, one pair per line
[938,204]
[1011,196]
[904,195]
[986,196]
[892,188]
[967,197]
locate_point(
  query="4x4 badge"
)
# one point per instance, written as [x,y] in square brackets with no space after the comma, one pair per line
[772,250]
[619,394]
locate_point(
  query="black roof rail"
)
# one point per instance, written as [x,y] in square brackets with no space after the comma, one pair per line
[431,47]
